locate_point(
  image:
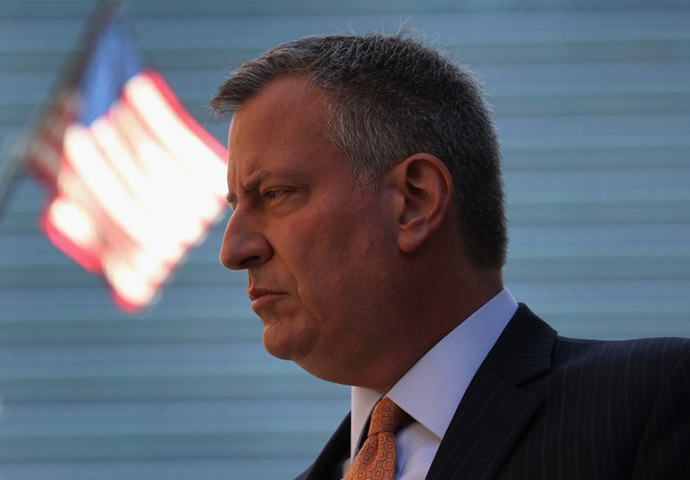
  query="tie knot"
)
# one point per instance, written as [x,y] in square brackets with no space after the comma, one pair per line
[386,417]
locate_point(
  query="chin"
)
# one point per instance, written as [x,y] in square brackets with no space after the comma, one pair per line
[288,344]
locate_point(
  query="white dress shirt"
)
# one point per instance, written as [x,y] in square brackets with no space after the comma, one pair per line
[431,390]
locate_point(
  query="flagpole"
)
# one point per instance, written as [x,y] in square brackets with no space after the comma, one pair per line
[15,145]
[11,166]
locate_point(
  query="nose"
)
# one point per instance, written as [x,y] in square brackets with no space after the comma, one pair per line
[244,245]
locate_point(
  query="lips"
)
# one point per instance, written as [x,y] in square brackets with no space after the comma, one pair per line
[255,293]
[262,297]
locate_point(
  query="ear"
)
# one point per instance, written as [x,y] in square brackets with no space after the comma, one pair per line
[425,187]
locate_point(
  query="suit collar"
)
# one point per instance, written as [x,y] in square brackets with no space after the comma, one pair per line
[494,410]
[523,351]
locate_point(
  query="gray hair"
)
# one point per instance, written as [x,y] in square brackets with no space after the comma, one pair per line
[387,98]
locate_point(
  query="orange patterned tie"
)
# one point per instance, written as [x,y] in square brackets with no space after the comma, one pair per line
[376,459]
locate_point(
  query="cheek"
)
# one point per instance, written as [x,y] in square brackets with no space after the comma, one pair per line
[338,257]
[341,282]
[322,270]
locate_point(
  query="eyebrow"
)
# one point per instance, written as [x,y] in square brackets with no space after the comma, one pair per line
[254,183]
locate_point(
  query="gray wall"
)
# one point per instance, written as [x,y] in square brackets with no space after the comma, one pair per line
[592,102]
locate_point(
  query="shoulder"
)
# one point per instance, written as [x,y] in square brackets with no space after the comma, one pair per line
[642,356]
[661,352]
[622,372]
[628,370]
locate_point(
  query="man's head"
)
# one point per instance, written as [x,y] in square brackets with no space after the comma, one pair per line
[388,97]
[365,182]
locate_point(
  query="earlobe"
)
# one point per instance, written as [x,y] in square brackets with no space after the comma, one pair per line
[427,190]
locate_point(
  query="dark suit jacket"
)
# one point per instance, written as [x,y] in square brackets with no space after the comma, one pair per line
[547,407]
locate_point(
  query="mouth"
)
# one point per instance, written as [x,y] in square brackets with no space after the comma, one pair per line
[261,298]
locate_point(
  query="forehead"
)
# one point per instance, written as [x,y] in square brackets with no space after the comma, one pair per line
[283,109]
[282,128]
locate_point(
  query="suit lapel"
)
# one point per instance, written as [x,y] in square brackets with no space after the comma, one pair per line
[335,451]
[495,410]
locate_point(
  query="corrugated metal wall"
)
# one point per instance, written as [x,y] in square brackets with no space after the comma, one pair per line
[592,101]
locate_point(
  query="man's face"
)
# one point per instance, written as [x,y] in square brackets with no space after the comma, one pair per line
[319,250]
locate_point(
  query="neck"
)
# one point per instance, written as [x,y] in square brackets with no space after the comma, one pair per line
[429,313]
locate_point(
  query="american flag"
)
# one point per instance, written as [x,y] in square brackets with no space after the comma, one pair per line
[133,180]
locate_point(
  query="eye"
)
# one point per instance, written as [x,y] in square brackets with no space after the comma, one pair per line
[273,194]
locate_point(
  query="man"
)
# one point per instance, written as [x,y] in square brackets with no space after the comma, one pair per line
[364,175]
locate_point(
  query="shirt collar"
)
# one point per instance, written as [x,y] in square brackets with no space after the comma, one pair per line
[431,390]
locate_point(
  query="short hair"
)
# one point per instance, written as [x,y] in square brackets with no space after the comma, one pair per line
[387,98]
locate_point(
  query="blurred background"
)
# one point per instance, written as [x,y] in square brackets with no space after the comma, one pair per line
[592,105]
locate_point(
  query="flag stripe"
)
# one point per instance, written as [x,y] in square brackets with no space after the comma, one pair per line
[171,130]
[45,155]
[164,162]
[219,152]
